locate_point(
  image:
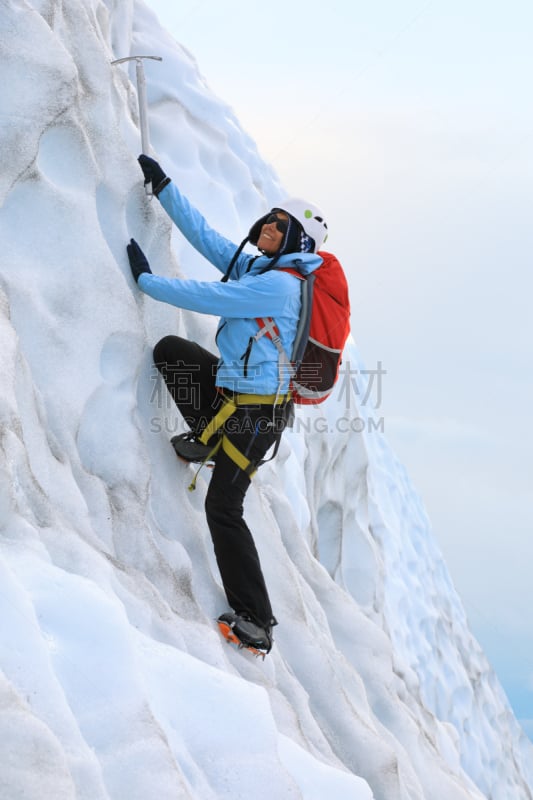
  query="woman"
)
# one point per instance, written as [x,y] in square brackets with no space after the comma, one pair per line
[235,404]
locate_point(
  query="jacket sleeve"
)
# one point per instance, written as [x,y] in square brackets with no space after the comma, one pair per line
[211,244]
[269,295]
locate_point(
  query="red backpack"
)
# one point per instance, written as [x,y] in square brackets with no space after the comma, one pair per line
[323,328]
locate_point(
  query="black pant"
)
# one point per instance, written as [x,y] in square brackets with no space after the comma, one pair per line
[189,372]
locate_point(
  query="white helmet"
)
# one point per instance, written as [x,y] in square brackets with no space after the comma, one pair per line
[310,218]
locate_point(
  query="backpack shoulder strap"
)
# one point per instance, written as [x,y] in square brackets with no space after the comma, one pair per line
[304,322]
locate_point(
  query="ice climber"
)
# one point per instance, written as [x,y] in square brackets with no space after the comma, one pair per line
[238,403]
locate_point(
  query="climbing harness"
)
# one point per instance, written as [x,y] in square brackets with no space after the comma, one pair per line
[230,405]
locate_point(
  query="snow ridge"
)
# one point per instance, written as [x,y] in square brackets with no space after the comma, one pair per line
[114,681]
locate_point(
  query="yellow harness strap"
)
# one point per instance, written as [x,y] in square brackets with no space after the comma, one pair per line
[229,407]
[210,455]
[260,399]
[239,458]
[218,420]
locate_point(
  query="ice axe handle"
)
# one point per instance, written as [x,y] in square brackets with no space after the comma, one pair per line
[143,105]
[143,117]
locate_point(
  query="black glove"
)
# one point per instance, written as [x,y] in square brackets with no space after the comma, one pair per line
[138,261]
[153,173]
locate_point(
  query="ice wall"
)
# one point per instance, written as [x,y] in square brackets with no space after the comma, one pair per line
[114,681]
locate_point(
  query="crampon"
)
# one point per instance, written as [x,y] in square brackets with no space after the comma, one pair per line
[231,637]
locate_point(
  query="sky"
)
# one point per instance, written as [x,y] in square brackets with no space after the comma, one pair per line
[410,123]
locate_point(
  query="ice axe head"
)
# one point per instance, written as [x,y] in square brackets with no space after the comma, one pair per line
[143,106]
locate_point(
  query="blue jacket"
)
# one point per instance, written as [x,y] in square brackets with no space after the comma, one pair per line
[247,295]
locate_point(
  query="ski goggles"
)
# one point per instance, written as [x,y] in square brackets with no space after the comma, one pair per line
[281,224]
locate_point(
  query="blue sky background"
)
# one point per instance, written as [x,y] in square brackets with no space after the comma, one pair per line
[411,124]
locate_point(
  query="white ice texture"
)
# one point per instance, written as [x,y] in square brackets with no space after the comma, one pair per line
[114,680]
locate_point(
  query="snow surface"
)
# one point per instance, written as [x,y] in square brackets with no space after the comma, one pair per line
[114,680]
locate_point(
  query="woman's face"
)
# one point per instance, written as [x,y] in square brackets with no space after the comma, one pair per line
[271,236]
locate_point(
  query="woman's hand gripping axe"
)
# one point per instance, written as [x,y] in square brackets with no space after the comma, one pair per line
[141,97]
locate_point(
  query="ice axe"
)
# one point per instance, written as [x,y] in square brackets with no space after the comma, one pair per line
[141,97]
